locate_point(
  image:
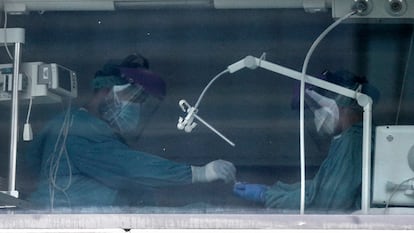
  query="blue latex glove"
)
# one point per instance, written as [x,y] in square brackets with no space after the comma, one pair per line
[251,192]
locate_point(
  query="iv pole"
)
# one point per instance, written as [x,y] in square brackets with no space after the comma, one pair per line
[16,36]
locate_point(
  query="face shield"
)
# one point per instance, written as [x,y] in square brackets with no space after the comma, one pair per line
[325,111]
[135,94]
[128,108]
[325,104]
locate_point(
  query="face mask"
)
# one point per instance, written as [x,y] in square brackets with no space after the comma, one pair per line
[128,109]
[127,121]
[326,114]
[325,121]
[123,116]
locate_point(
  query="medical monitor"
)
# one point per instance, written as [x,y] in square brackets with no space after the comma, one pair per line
[393,166]
[59,79]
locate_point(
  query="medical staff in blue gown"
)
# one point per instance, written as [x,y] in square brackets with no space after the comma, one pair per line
[84,159]
[337,184]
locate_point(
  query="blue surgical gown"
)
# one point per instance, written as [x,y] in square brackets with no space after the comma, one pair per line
[99,165]
[337,184]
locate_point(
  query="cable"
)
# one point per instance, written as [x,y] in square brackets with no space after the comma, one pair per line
[29,110]
[63,152]
[55,158]
[187,123]
[27,129]
[404,78]
[208,85]
[302,107]
[395,191]
[54,168]
[5,36]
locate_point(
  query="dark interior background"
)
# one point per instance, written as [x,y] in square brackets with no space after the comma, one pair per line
[188,47]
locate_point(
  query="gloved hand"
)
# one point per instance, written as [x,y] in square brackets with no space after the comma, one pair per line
[251,192]
[215,170]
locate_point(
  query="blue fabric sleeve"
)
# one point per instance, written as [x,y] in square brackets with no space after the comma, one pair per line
[96,152]
[117,166]
[98,164]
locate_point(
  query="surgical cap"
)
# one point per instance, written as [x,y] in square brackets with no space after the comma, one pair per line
[134,69]
[354,82]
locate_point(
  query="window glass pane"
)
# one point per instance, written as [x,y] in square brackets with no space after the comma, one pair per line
[122,146]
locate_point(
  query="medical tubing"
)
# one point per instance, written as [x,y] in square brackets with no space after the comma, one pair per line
[29,110]
[56,163]
[397,117]
[52,166]
[63,151]
[208,85]
[5,37]
[56,158]
[302,107]
[395,191]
